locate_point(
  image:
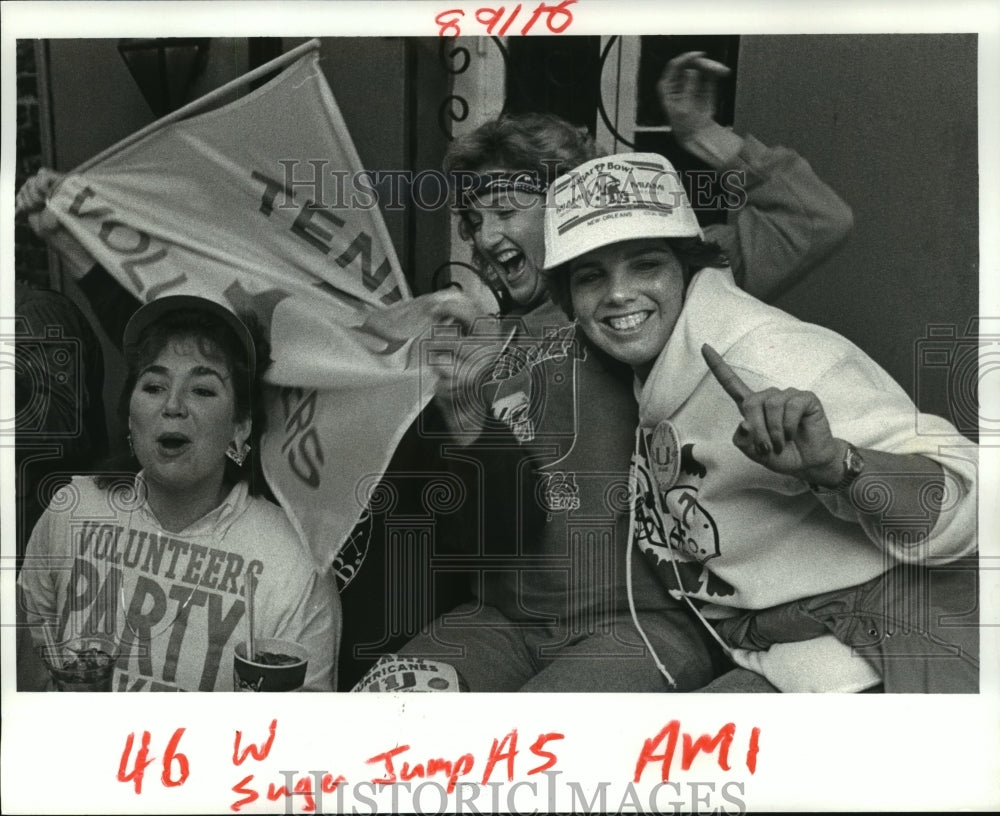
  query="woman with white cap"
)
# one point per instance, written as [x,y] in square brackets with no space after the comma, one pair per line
[780,486]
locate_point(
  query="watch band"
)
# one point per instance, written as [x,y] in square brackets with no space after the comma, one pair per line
[854,465]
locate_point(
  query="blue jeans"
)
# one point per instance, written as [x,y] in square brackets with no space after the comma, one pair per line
[494,653]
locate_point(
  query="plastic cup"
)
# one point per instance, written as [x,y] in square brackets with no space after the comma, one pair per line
[278,665]
[87,664]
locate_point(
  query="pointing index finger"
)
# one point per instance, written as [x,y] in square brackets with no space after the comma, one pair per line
[728,379]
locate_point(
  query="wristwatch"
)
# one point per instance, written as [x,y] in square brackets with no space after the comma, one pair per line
[854,465]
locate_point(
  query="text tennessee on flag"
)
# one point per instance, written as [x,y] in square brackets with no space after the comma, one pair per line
[198,206]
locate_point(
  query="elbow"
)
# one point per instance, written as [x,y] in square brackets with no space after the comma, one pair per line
[841,223]
[952,534]
[833,229]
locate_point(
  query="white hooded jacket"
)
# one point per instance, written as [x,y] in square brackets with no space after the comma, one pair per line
[746,537]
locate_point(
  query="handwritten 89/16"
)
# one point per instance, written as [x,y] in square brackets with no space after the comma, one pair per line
[558,18]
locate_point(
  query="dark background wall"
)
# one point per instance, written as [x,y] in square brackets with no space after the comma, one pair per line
[890,122]
[95,101]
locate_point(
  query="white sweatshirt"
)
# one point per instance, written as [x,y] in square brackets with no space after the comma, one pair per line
[97,563]
[749,538]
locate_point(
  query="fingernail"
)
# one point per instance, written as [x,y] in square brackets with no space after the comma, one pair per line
[763,449]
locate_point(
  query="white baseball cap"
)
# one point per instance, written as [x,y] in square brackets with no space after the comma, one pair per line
[612,199]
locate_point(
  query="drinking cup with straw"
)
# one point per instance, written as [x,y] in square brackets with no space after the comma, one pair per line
[267,664]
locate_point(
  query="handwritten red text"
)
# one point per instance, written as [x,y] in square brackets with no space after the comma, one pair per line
[143,760]
[557,18]
[666,743]
[502,752]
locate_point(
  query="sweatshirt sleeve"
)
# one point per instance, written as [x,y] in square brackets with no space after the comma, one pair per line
[789,222]
[36,604]
[47,553]
[867,408]
[314,622]
[36,587]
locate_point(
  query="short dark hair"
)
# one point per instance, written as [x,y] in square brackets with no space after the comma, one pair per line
[539,143]
[693,253]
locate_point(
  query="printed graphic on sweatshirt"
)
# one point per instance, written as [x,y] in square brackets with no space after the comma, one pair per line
[558,492]
[518,400]
[672,527]
[174,592]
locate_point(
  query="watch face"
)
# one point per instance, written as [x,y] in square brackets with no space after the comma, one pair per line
[853,463]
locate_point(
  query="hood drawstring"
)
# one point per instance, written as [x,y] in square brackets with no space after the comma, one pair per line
[636,495]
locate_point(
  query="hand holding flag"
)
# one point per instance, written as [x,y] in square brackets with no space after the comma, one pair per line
[197,203]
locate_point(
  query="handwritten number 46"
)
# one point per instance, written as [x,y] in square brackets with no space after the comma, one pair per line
[143,760]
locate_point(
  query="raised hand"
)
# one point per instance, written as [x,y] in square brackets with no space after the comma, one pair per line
[688,92]
[786,431]
[32,198]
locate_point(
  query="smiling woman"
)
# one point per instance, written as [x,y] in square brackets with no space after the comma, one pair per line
[743,501]
[184,537]
[628,302]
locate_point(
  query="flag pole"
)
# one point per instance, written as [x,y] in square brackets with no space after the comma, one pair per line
[201,102]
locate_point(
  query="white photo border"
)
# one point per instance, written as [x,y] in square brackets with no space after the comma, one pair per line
[861,752]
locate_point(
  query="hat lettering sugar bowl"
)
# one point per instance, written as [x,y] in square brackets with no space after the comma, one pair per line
[615,198]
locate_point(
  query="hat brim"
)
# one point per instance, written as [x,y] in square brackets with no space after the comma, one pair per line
[612,199]
[149,313]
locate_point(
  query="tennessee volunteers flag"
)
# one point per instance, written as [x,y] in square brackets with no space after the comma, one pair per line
[210,201]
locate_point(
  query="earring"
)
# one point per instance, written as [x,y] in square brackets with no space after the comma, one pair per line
[131,450]
[238,455]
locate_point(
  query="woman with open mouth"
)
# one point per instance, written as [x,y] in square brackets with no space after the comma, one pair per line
[162,560]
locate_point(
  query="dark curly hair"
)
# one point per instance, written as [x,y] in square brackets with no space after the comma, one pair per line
[216,340]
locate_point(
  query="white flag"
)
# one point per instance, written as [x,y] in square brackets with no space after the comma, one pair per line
[209,205]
